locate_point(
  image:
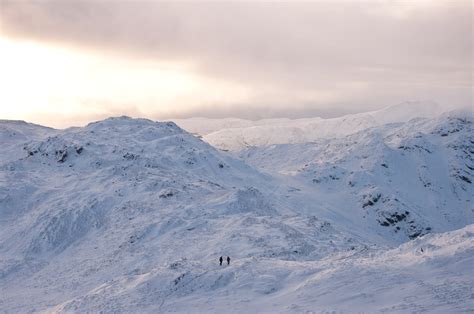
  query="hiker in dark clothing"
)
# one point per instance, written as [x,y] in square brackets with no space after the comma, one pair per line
[220,260]
[228,260]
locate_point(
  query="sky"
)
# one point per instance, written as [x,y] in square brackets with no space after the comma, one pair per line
[70,62]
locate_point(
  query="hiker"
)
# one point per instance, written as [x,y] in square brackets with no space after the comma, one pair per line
[228,260]
[220,260]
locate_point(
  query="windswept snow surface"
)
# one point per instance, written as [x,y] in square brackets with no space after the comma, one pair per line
[131,215]
[403,279]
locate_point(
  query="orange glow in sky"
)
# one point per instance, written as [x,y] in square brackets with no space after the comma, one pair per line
[61,87]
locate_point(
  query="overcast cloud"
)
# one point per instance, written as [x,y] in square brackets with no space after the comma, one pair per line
[293,59]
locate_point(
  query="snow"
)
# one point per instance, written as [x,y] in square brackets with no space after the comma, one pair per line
[403,179]
[131,215]
[238,134]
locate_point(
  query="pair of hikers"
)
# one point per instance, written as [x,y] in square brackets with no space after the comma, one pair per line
[221,260]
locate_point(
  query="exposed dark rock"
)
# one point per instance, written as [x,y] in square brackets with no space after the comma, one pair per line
[61,155]
[414,235]
[79,150]
[166,194]
[130,156]
[372,200]
[464,178]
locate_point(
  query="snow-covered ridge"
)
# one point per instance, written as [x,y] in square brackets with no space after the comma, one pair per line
[237,134]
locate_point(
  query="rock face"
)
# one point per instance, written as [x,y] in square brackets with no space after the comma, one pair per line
[131,215]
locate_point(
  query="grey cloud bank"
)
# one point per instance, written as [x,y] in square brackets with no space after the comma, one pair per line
[297,59]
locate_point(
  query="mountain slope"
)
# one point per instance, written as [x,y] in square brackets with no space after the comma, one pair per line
[131,215]
[82,206]
[402,180]
[432,273]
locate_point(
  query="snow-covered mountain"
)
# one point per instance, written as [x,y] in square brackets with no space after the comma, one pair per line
[131,215]
[119,197]
[404,179]
[238,134]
